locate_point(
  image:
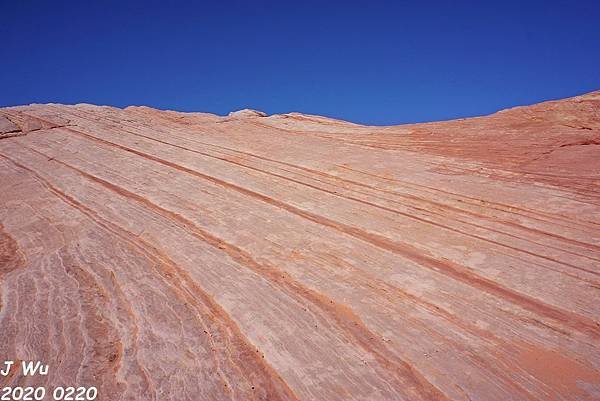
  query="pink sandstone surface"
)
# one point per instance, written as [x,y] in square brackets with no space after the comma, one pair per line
[160,255]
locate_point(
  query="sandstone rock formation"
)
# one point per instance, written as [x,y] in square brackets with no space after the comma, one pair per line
[244,113]
[185,256]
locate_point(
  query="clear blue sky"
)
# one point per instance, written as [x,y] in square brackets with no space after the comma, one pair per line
[368,62]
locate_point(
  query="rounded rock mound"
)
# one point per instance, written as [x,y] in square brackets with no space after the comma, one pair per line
[244,113]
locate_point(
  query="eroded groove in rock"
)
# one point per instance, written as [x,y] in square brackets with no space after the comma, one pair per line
[157,254]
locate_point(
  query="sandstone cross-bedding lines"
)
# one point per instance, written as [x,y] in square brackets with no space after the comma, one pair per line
[165,255]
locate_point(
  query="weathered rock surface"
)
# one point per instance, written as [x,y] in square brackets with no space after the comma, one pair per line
[186,256]
[7,126]
[245,113]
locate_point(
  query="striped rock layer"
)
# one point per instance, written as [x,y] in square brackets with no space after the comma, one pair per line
[160,255]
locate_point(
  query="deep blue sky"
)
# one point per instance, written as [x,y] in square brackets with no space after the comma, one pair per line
[368,62]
